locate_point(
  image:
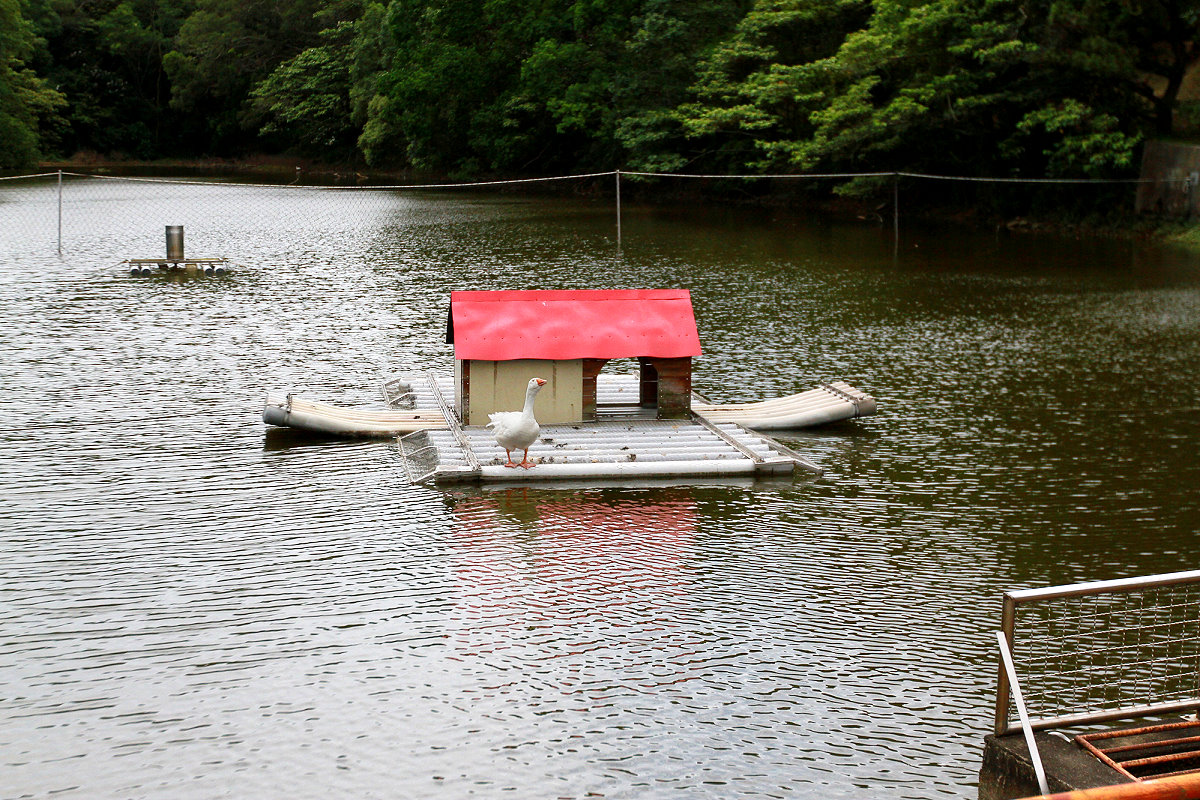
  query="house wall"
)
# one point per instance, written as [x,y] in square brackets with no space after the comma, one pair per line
[666,383]
[500,386]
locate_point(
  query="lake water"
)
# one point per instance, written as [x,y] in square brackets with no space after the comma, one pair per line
[194,606]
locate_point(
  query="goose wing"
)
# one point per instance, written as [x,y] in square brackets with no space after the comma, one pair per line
[513,430]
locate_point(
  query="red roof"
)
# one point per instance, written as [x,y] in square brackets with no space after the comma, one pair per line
[558,325]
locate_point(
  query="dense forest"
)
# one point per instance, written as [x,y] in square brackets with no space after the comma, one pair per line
[522,87]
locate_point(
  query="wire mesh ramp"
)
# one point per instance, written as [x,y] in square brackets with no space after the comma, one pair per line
[601,450]
[425,390]
[829,402]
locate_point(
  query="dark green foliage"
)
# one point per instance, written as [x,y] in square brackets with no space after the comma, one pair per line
[27,103]
[757,91]
[307,99]
[106,59]
[226,47]
[1015,88]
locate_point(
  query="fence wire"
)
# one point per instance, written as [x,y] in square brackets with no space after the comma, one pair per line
[56,210]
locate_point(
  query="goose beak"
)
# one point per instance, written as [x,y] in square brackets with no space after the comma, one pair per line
[540,381]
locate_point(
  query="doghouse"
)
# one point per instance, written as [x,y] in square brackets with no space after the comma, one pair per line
[503,338]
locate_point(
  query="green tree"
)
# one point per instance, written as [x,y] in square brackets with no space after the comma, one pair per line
[925,85]
[25,99]
[1156,41]
[436,80]
[756,92]
[987,87]
[371,52]
[223,50]
[658,69]
[106,58]
[509,85]
[568,81]
[450,101]
[307,100]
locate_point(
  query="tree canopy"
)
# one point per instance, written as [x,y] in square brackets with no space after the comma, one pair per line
[27,102]
[1028,88]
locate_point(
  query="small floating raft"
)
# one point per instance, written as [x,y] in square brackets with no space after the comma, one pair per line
[624,443]
[595,426]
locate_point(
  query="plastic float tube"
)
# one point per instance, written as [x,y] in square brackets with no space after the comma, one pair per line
[604,471]
[289,411]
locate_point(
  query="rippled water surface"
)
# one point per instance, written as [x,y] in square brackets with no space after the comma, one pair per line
[193,606]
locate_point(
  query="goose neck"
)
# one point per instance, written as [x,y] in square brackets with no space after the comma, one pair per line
[530,394]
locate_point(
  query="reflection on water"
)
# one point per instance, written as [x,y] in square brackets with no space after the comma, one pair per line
[193,606]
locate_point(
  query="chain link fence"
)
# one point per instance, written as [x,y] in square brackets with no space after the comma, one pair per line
[53,211]
[1105,650]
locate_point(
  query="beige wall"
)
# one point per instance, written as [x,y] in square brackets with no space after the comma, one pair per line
[501,385]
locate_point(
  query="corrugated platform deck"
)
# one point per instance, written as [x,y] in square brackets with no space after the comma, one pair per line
[624,443]
[608,449]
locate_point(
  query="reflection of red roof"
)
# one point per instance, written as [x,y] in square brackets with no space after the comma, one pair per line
[502,326]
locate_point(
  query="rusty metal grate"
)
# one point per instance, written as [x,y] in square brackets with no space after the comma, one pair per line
[1153,751]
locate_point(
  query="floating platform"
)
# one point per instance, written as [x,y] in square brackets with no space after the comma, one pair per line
[626,442]
[209,266]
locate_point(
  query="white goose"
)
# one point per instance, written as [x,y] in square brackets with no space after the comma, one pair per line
[517,430]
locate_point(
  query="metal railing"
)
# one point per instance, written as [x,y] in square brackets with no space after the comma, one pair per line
[1009,671]
[1106,650]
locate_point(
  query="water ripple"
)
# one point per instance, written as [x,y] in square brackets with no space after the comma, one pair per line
[194,609]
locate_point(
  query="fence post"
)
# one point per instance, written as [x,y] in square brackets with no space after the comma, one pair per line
[1008,625]
[896,208]
[618,209]
[60,212]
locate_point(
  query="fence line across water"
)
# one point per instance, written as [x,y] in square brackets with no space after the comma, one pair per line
[10,197]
